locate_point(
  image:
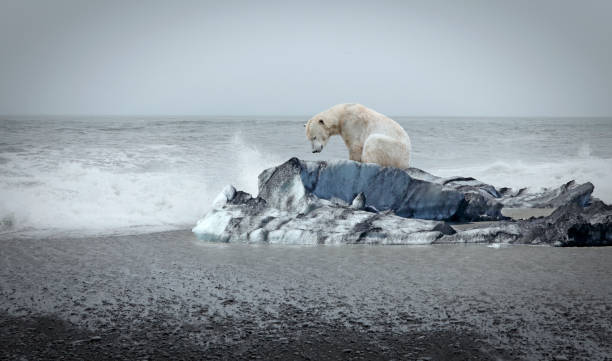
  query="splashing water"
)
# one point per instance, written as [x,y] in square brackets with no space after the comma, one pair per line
[107,176]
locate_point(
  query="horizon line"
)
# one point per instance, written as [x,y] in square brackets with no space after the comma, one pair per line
[76,115]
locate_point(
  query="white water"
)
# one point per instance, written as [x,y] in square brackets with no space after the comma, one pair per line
[538,175]
[106,176]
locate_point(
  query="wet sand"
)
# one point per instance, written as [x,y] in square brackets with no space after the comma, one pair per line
[166,295]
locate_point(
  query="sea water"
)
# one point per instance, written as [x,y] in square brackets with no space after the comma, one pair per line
[93,176]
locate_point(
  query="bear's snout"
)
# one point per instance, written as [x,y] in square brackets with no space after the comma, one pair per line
[317,147]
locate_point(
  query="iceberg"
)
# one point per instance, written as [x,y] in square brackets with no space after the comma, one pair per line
[347,202]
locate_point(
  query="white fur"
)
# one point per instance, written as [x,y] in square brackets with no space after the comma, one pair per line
[369,136]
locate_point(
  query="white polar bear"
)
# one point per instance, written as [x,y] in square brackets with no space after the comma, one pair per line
[369,136]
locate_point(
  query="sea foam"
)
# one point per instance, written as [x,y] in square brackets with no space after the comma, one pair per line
[82,197]
[540,175]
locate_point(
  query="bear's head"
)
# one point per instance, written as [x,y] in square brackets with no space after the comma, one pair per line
[318,131]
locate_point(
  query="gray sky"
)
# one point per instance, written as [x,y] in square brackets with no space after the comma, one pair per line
[419,58]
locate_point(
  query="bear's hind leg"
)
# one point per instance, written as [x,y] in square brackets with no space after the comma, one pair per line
[386,151]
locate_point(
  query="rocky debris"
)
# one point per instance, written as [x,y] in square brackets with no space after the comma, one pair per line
[346,202]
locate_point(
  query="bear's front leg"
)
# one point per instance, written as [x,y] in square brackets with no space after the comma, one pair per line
[355,154]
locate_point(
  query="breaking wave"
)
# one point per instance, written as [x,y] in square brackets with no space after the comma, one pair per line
[539,175]
[69,197]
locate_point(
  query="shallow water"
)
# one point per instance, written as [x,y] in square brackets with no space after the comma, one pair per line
[109,176]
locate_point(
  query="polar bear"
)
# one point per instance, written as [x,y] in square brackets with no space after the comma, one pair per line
[369,136]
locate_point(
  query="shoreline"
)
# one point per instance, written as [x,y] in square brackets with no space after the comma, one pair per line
[167,295]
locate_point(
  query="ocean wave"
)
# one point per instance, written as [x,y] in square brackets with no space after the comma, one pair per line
[73,197]
[78,198]
[539,175]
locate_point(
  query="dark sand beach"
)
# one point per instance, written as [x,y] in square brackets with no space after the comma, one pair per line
[169,296]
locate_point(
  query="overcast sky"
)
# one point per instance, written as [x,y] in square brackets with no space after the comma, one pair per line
[418,58]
